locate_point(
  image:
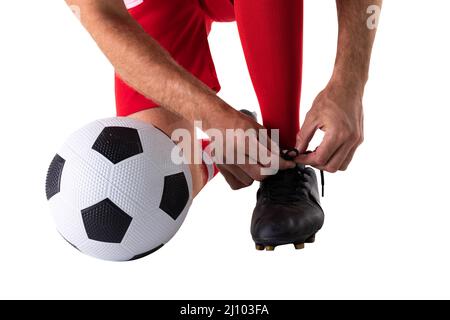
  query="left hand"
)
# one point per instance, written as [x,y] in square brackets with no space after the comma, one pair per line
[338,112]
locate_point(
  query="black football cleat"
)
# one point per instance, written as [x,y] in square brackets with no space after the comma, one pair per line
[287,210]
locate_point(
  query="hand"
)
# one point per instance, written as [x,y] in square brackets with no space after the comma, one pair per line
[338,112]
[240,175]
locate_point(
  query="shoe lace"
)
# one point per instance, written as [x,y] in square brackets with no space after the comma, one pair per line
[286,186]
[286,155]
[290,185]
[322,182]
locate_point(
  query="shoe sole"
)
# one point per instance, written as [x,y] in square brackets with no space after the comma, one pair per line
[268,246]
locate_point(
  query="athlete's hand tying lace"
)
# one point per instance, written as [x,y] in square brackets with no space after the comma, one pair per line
[241,175]
[338,112]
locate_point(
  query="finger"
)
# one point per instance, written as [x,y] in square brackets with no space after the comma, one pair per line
[286,164]
[292,153]
[258,150]
[233,181]
[306,158]
[260,173]
[306,133]
[270,144]
[268,154]
[253,171]
[322,155]
[352,152]
[336,161]
[246,149]
[236,177]
[346,163]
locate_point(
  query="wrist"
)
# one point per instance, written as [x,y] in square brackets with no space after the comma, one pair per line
[351,82]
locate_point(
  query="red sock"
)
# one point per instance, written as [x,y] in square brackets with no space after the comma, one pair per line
[271,33]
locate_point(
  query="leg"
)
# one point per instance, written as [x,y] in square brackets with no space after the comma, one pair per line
[271,35]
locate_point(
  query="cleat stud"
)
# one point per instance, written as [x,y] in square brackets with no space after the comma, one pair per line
[299,246]
[259,247]
[270,248]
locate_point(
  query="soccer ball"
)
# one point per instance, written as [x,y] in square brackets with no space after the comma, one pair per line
[114,191]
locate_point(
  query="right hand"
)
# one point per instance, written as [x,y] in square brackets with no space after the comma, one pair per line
[240,175]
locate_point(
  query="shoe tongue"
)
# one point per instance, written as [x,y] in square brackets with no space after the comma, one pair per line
[284,185]
[289,176]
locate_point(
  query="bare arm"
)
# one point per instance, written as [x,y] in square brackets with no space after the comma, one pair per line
[355,41]
[338,110]
[145,65]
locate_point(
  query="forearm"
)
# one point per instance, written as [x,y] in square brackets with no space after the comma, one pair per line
[355,42]
[143,64]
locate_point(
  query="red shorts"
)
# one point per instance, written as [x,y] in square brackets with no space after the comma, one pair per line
[181,27]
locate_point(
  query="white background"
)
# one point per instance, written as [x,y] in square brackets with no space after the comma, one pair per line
[387,228]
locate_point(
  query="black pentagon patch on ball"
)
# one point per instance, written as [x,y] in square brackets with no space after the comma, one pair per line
[118,143]
[175,195]
[53,181]
[106,222]
[142,255]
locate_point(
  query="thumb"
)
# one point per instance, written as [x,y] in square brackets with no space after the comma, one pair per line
[305,135]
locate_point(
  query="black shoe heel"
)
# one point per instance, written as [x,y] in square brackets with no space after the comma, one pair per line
[311,239]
